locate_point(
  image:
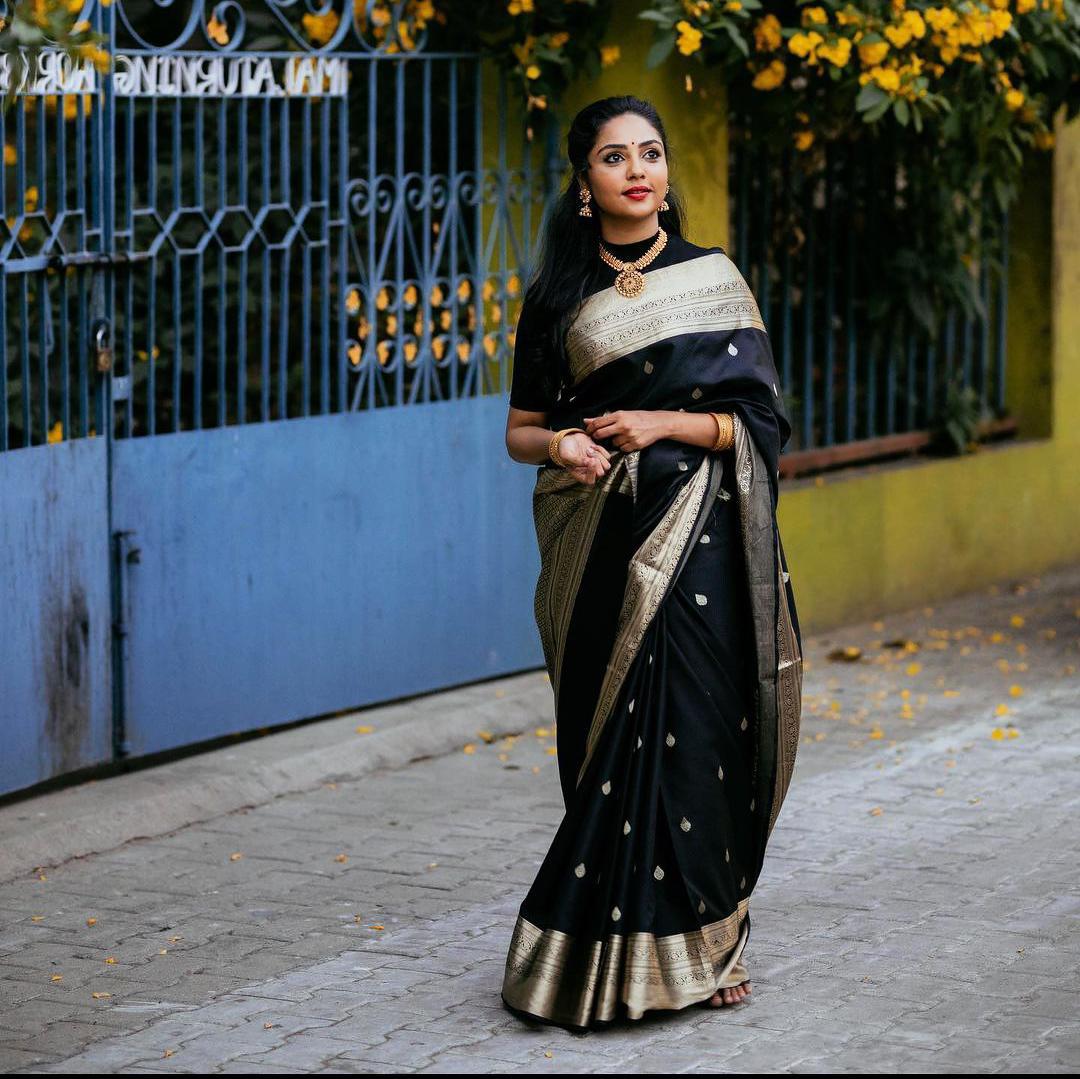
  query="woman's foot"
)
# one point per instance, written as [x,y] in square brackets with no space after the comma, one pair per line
[730,996]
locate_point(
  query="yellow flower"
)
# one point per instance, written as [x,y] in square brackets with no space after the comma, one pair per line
[871,55]
[767,36]
[898,35]
[532,71]
[517,7]
[1014,99]
[805,45]
[803,140]
[838,53]
[886,78]
[321,28]
[95,54]
[10,154]
[769,78]
[814,15]
[609,54]
[941,19]
[689,39]
[56,432]
[217,31]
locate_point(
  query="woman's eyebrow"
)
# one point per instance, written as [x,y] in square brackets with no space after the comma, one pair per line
[622,145]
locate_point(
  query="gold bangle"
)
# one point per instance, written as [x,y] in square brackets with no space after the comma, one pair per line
[725,430]
[553,444]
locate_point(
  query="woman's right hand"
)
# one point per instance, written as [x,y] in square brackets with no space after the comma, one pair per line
[585,459]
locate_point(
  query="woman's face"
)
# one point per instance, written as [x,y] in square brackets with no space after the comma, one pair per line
[628,153]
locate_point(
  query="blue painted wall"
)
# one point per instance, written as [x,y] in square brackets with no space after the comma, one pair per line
[55,639]
[299,567]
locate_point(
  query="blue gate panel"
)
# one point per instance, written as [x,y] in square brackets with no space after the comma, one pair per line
[55,640]
[277,571]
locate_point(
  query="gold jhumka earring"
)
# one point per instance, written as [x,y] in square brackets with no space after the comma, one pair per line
[584,194]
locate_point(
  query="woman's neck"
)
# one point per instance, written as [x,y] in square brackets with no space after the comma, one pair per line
[616,235]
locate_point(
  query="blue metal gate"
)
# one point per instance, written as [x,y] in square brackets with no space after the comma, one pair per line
[257,290]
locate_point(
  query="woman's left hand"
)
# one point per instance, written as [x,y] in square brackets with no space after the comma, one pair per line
[628,429]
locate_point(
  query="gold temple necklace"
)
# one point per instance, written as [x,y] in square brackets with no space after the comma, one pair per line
[630,281]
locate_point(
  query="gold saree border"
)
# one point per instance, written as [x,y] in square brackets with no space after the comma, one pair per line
[648,575]
[565,980]
[789,676]
[703,294]
[566,513]
[785,702]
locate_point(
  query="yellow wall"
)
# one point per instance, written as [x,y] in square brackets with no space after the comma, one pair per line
[874,539]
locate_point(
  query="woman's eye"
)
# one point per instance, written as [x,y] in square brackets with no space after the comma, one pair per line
[615,154]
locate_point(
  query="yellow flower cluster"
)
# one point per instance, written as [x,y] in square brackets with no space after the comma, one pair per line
[689,37]
[417,14]
[896,47]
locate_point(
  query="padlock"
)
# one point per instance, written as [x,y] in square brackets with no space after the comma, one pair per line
[102,348]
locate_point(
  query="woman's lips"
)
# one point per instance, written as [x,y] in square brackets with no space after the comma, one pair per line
[637,194]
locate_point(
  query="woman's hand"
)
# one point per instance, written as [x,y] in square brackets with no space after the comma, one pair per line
[585,460]
[629,430]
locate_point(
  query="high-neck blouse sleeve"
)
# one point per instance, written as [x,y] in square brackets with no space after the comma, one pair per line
[533,385]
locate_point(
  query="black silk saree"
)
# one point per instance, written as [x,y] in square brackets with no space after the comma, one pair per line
[670,635]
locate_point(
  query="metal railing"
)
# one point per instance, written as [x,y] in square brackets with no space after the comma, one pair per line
[862,372]
[244,224]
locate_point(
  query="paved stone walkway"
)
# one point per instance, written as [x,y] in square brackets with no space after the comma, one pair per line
[919,908]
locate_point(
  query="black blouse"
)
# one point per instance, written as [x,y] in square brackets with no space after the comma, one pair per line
[534,384]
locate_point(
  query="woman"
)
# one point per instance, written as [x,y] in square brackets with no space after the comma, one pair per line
[644,383]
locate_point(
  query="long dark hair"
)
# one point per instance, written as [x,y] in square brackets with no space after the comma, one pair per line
[567,263]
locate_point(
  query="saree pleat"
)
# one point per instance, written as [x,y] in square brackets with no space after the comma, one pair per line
[668,627]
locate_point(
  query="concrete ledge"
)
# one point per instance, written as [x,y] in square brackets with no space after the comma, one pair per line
[102,814]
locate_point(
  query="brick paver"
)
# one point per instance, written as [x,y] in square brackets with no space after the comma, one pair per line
[919,908]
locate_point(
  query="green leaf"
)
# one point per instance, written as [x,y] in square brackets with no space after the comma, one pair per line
[660,51]
[869,96]
[660,17]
